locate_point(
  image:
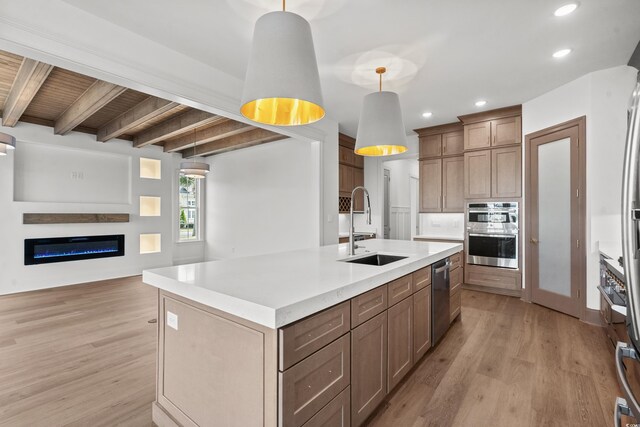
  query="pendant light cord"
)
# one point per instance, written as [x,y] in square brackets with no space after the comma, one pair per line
[284,4]
[380,71]
[380,82]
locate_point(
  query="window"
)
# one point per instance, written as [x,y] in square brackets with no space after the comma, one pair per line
[189,205]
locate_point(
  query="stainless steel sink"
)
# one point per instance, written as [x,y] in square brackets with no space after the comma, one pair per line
[376,259]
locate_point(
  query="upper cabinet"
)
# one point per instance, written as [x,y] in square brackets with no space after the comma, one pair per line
[506,172]
[351,174]
[493,128]
[442,168]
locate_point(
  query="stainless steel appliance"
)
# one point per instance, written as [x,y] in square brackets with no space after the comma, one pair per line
[630,250]
[440,287]
[492,234]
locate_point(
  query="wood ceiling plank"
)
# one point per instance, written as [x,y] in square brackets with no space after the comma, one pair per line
[213,133]
[144,111]
[247,139]
[97,96]
[175,126]
[31,75]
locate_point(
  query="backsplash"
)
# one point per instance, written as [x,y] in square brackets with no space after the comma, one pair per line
[442,224]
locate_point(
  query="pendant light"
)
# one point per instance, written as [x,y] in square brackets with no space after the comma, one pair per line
[7,142]
[191,168]
[282,85]
[381,129]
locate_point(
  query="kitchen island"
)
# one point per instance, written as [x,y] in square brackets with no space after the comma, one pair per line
[293,338]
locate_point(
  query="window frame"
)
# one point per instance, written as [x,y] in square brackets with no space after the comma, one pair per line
[198,209]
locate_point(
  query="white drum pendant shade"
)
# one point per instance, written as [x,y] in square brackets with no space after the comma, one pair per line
[192,169]
[381,129]
[282,85]
[6,142]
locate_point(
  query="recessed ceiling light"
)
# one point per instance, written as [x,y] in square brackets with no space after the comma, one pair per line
[427,114]
[561,53]
[566,9]
[481,103]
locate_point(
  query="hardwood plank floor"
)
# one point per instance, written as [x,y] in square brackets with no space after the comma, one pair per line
[505,363]
[79,355]
[85,356]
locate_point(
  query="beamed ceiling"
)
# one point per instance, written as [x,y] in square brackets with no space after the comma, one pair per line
[35,92]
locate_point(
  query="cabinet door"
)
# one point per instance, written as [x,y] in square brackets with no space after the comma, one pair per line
[421,323]
[477,175]
[358,180]
[431,146]
[452,143]
[346,156]
[358,161]
[506,167]
[369,367]
[453,184]
[346,179]
[431,185]
[477,135]
[506,131]
[400,341]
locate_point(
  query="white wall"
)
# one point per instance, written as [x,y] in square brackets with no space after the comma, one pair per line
[264,199]
[602,97]
[14,275]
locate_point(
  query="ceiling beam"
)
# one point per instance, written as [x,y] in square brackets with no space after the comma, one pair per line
[146,110]
[213,133]
[93,99]
[247,139]
[175,126]
[31,75]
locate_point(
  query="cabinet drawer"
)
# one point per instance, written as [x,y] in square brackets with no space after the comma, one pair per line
[337,413]
[309,335]
[500,278]
[308,386]
[399,289]
[456,260]
[454,304]
[421,278]
[368,305]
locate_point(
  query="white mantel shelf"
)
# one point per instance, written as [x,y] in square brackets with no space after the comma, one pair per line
[274,290]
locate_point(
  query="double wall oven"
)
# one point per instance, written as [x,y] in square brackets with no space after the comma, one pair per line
[492,234]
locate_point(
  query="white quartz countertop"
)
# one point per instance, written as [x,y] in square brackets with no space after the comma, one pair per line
[277,289]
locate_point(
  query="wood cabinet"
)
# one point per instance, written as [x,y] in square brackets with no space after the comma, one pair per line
[358,180]
[477,174]
[441,168]
[369,362]
[506,131]
[477,135]
[452,143]
[351,174]
[421,278]
[337,413]
[431,146]
[421,322]
[368,305]
[506,169]
[431,185]
[400,341]
[345,180]
[400,289]
[308,386]
[453,184]
[499,280]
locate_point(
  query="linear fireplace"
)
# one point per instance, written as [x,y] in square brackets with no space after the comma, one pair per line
[61,249]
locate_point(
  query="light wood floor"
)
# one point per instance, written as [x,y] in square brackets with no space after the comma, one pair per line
[78,356]
[85,356]
[509,363]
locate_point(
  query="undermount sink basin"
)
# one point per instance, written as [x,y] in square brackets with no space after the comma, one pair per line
[376,259]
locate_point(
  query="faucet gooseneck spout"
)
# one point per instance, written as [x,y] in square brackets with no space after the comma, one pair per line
[352,243]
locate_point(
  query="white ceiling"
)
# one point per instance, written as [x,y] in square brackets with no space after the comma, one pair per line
[442,56]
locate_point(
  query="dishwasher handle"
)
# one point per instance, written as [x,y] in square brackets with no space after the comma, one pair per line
[443,268]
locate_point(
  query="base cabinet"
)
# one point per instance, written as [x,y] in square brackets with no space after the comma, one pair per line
[400,341]
[369,367]
[421,322]
[337,413]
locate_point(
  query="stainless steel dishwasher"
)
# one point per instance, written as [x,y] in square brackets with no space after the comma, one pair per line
[440,287]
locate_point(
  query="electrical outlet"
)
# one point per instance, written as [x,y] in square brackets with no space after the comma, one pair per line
[172,320]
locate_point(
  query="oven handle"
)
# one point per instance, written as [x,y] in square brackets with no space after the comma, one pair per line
[493,235]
